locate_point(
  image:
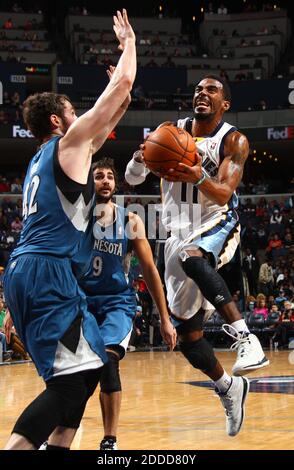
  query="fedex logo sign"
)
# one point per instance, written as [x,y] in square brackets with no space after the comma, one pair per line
[286,133]
[17,131]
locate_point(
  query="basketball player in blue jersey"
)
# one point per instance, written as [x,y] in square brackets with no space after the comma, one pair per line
[48,308]
[101,267]
[194,287]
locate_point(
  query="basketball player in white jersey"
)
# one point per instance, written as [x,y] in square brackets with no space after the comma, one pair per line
[194,287]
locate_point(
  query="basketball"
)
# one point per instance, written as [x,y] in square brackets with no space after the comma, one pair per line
[168,146]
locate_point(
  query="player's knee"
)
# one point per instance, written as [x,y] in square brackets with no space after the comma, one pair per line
[196,267]
[200,354]
[209,281]
[71,389]
[110,378]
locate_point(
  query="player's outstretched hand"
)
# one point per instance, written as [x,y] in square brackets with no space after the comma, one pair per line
[122,28]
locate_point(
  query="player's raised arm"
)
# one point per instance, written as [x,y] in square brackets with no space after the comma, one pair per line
[76,147]
[117,116]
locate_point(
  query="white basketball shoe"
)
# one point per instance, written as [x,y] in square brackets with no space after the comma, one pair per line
[250,355]
[233,402]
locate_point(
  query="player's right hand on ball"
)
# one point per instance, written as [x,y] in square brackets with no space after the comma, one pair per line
[139,157]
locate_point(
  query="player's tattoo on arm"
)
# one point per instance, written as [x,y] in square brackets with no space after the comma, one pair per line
[236,165]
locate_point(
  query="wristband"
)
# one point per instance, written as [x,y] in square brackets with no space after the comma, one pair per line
[200,181]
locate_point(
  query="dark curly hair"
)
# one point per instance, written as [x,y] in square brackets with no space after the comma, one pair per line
[37,110]
[108,164]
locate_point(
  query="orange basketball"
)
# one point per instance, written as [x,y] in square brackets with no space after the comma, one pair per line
[168,146]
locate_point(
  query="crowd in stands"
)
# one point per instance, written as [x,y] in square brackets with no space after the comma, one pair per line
[162,49]
[224,8]
[10,224]
[29,35]
[11,110]
[14,349]
[170,8]
[97,47]
[268,263]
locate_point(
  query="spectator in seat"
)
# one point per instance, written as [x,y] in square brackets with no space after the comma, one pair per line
[285,326]
[16,225]
[224,75]
[16,186]
[3,117]
[8,24]
[289,243]
[261,308]
[275,243]
[281,298]
[276,217]
[274,309]
[250,303]
[261,208]
[4,187]
[15,100]
[237,300]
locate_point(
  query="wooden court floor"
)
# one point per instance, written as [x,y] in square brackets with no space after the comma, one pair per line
[166,405]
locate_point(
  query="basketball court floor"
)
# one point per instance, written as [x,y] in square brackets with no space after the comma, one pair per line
[169,405]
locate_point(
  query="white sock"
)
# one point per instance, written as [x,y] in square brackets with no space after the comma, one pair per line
[224,383]
[240,326]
